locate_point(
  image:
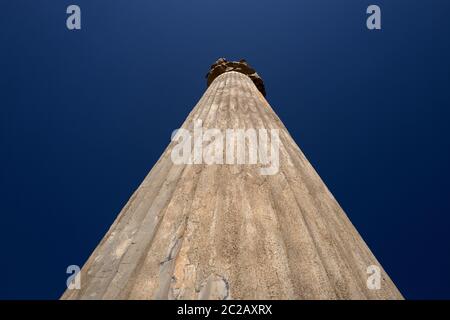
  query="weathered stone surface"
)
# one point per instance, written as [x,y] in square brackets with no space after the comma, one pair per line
[222,66]
[226,232]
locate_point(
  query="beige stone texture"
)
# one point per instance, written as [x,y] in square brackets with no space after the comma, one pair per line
[227,232]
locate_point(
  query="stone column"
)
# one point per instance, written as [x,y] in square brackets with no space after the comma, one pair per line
[226,231]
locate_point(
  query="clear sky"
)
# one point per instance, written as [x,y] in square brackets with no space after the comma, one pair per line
[85,115]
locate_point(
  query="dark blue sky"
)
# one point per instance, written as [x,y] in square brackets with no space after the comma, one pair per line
[85,115]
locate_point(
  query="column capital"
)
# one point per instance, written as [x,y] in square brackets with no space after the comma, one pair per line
[222,66]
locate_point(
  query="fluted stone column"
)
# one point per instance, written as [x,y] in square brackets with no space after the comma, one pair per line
[221,231]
